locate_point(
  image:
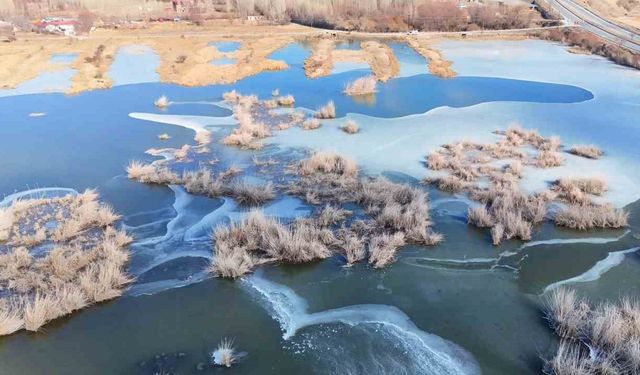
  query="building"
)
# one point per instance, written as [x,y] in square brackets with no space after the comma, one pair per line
[58,25]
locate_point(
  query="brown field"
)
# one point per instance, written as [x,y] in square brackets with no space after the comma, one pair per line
[185,56]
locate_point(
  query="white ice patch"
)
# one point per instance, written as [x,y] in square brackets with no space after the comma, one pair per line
[589,240]
[429,353]
[594,273]
[195,123]
[202,229]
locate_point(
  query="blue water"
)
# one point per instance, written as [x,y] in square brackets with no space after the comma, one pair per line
[63,58]
[134,64]
[223,61]
[350,45]
[86,140]
[293,54]
[225,46]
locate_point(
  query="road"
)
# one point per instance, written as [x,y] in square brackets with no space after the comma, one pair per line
[576,14]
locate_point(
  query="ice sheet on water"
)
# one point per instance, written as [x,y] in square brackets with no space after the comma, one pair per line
[612,260]
[424,352]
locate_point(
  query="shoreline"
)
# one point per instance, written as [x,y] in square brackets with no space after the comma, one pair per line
[185,52]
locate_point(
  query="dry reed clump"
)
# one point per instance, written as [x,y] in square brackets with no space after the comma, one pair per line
[252,195]
[398,208]
[230,96]
[203,137]
[350,127]
[248,130]
[604,339]
[383,247]
[270,103]
[225,353]
[352,246]
[589,216]
[161,102]
[437,161]
[548,159]
[327,111]
[286,101]
[83,259]
[310,124]
[361,86]
[328,163]
[256,240]
[151,174]
[509,212]
[204,182]
[586,151]
[480,217]
[452,184]
[576,190]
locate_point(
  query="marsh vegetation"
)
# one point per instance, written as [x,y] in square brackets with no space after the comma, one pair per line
[393,214]
[58,255]
[594,338]
[505,208]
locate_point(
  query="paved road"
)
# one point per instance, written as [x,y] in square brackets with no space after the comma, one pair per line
[576,14]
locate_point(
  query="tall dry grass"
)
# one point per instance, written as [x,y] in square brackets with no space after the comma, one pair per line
[80,240]
[161,102]
[394,214]
[587,151]
[256,239]
[327,111]
[584,217]
[350,127]
[507,210]
[600,339]
[225,354]
[361,86]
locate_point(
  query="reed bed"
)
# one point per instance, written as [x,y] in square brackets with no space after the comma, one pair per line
[83,263]
[506,210]
[595,339]
[395,214]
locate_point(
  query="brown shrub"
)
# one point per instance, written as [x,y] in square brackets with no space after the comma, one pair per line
[350,127]
[436,161]
[310,124]
[361,86]
[383,247]
[252,195]
[328,162]
[286,101]
[258,239]
[548,159]
[583,217]
[327,111]
[480,217]
[591,152]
